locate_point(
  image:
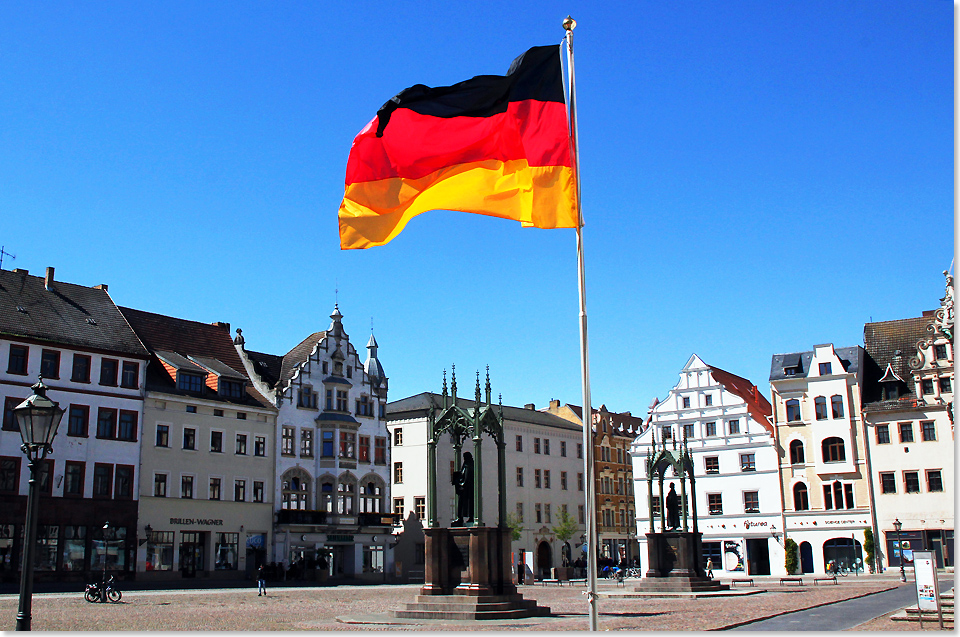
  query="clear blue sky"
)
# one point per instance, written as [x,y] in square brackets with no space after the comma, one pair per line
[758,177]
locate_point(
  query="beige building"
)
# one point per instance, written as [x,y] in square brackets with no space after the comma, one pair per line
[613,434]
[206,495]
[823,473]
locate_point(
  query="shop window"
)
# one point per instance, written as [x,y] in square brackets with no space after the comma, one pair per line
[159,551]
[372,559]
[227,551]
[48,547]
[74,547]
[109,549]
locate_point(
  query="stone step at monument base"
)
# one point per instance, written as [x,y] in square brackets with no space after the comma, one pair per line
[680,585]
[470,607]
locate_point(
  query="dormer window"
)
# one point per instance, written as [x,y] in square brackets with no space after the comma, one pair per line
[231,388]
[791,365]
[306,397]
[188,381]
[940,352]
[890,391]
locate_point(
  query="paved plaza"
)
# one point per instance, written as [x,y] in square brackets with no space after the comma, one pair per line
[318,609]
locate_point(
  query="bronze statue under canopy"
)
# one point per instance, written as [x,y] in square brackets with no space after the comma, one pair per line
[463,486]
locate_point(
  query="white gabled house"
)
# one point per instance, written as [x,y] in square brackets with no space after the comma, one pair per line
[726,423]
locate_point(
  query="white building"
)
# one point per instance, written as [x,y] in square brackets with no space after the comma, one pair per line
[816,400]
[544,475]
[908,416]
[94,366]
[332,456]
[726,423]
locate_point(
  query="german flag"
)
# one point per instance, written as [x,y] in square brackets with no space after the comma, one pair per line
[492,145]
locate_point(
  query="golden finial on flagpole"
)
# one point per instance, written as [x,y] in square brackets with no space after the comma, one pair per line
[569,24]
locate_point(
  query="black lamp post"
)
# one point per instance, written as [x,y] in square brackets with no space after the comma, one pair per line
[38,418]
[897,525]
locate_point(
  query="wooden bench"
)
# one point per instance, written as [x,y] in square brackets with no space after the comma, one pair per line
[817,580]
[552,581]
[742,580]
[796,580]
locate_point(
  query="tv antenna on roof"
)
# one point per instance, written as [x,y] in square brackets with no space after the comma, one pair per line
[4,252]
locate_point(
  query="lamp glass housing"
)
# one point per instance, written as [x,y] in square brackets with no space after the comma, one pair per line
[38,418]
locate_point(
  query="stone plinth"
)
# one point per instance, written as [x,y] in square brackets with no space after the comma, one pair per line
[467,575]
[673,559]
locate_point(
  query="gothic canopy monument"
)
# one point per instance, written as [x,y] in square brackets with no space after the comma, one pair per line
[467,571]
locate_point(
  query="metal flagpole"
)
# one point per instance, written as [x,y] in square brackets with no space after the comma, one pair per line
[587,416]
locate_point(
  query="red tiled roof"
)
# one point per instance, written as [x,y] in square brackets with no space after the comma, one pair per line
[757,404]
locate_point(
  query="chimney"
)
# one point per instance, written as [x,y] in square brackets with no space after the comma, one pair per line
[554,404]
[48,280]
[530,406]
[222,325]
[102,286]
[21,271]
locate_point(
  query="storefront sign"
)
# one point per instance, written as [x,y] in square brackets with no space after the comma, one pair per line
[339,538]
[748,524]
[196,521]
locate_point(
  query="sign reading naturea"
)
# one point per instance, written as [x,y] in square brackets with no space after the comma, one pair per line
[200,521]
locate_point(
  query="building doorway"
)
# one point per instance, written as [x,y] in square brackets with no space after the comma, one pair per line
[845,552]
[192,554]
[806,557]
[758,557]
[544,560]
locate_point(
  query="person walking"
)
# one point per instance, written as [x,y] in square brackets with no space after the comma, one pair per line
[709,568]
[261,582]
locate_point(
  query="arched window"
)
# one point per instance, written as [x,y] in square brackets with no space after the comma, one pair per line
[796,452]
[371,495]
[295,490]
[833,450]
[836,406]
[346,494]
[326,494]
[800,501]
[820,407]
[793,410]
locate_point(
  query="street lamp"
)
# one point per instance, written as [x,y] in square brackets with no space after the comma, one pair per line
[38,418]
[897,525]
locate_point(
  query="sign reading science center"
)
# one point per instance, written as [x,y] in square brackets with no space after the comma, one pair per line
[196,521]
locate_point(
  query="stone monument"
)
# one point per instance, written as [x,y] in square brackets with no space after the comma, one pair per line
[674,553]
[467,571]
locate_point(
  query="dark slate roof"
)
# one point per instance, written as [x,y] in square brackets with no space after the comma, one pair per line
[68,315]
[847,355]
[418,405]
[893,343]
[328,416]
[267,366]
[180,362]
[298,355]
[219,368]
[188,338]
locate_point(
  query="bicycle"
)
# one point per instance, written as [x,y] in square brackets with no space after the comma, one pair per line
[102,592]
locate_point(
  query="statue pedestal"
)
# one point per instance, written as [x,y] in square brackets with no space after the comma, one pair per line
[467,575]
[673,559]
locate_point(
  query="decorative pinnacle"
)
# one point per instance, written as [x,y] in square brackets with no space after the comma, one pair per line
[453,382]
[487,388]
[477,393]
[569,24]
[444,382]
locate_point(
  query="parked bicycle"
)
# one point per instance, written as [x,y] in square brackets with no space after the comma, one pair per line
[102,592]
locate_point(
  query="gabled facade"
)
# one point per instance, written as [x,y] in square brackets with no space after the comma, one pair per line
[94,365]
[332,460]
[908,418]
[612,434]
[823,472]
[206,500]
[725,421]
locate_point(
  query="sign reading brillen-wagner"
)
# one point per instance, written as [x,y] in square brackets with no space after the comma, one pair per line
[196,521]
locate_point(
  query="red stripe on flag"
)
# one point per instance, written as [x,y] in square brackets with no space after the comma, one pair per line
[414,145]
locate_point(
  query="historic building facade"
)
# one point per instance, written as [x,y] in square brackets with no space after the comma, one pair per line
[908,420]
[332,457]
[613,433]
[544,477]
[94,365]
[206,497]
[823,472]
[725,423]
